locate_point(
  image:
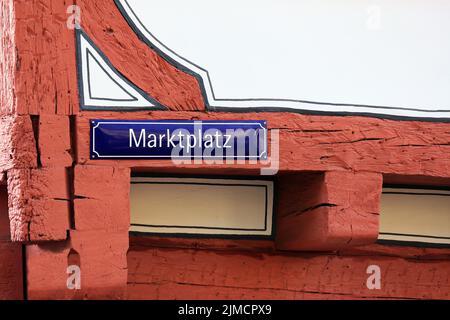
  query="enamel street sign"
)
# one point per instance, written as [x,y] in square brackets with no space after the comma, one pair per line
[178,139]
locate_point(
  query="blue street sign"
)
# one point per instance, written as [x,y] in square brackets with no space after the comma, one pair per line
[178,139]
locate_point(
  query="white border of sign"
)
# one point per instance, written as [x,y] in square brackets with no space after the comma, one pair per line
[260,156]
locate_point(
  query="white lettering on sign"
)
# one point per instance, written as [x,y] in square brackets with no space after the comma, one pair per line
[212,138]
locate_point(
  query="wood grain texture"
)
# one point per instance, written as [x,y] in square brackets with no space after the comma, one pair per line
[38,68]
[109,30]
[17,143]
[38,201]
[158,273]
[45,74]
[38,64]
[314,143]
[102,259]
[330,211]
[54,141]
[8,57]
[102,198]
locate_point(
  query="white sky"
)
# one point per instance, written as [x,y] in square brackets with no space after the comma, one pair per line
[378,52]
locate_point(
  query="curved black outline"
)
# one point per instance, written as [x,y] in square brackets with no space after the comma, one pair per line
[80,33]
[90,55]
[413,244]
[209,107]
[418,193]
[167,58]
[414,235]
[415,186]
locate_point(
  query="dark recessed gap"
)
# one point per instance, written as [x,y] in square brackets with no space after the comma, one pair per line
[71,191]
[73,137]
[35,125]
[71,170]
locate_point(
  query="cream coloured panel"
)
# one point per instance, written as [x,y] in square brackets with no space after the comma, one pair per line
[201,206]
[415,215]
